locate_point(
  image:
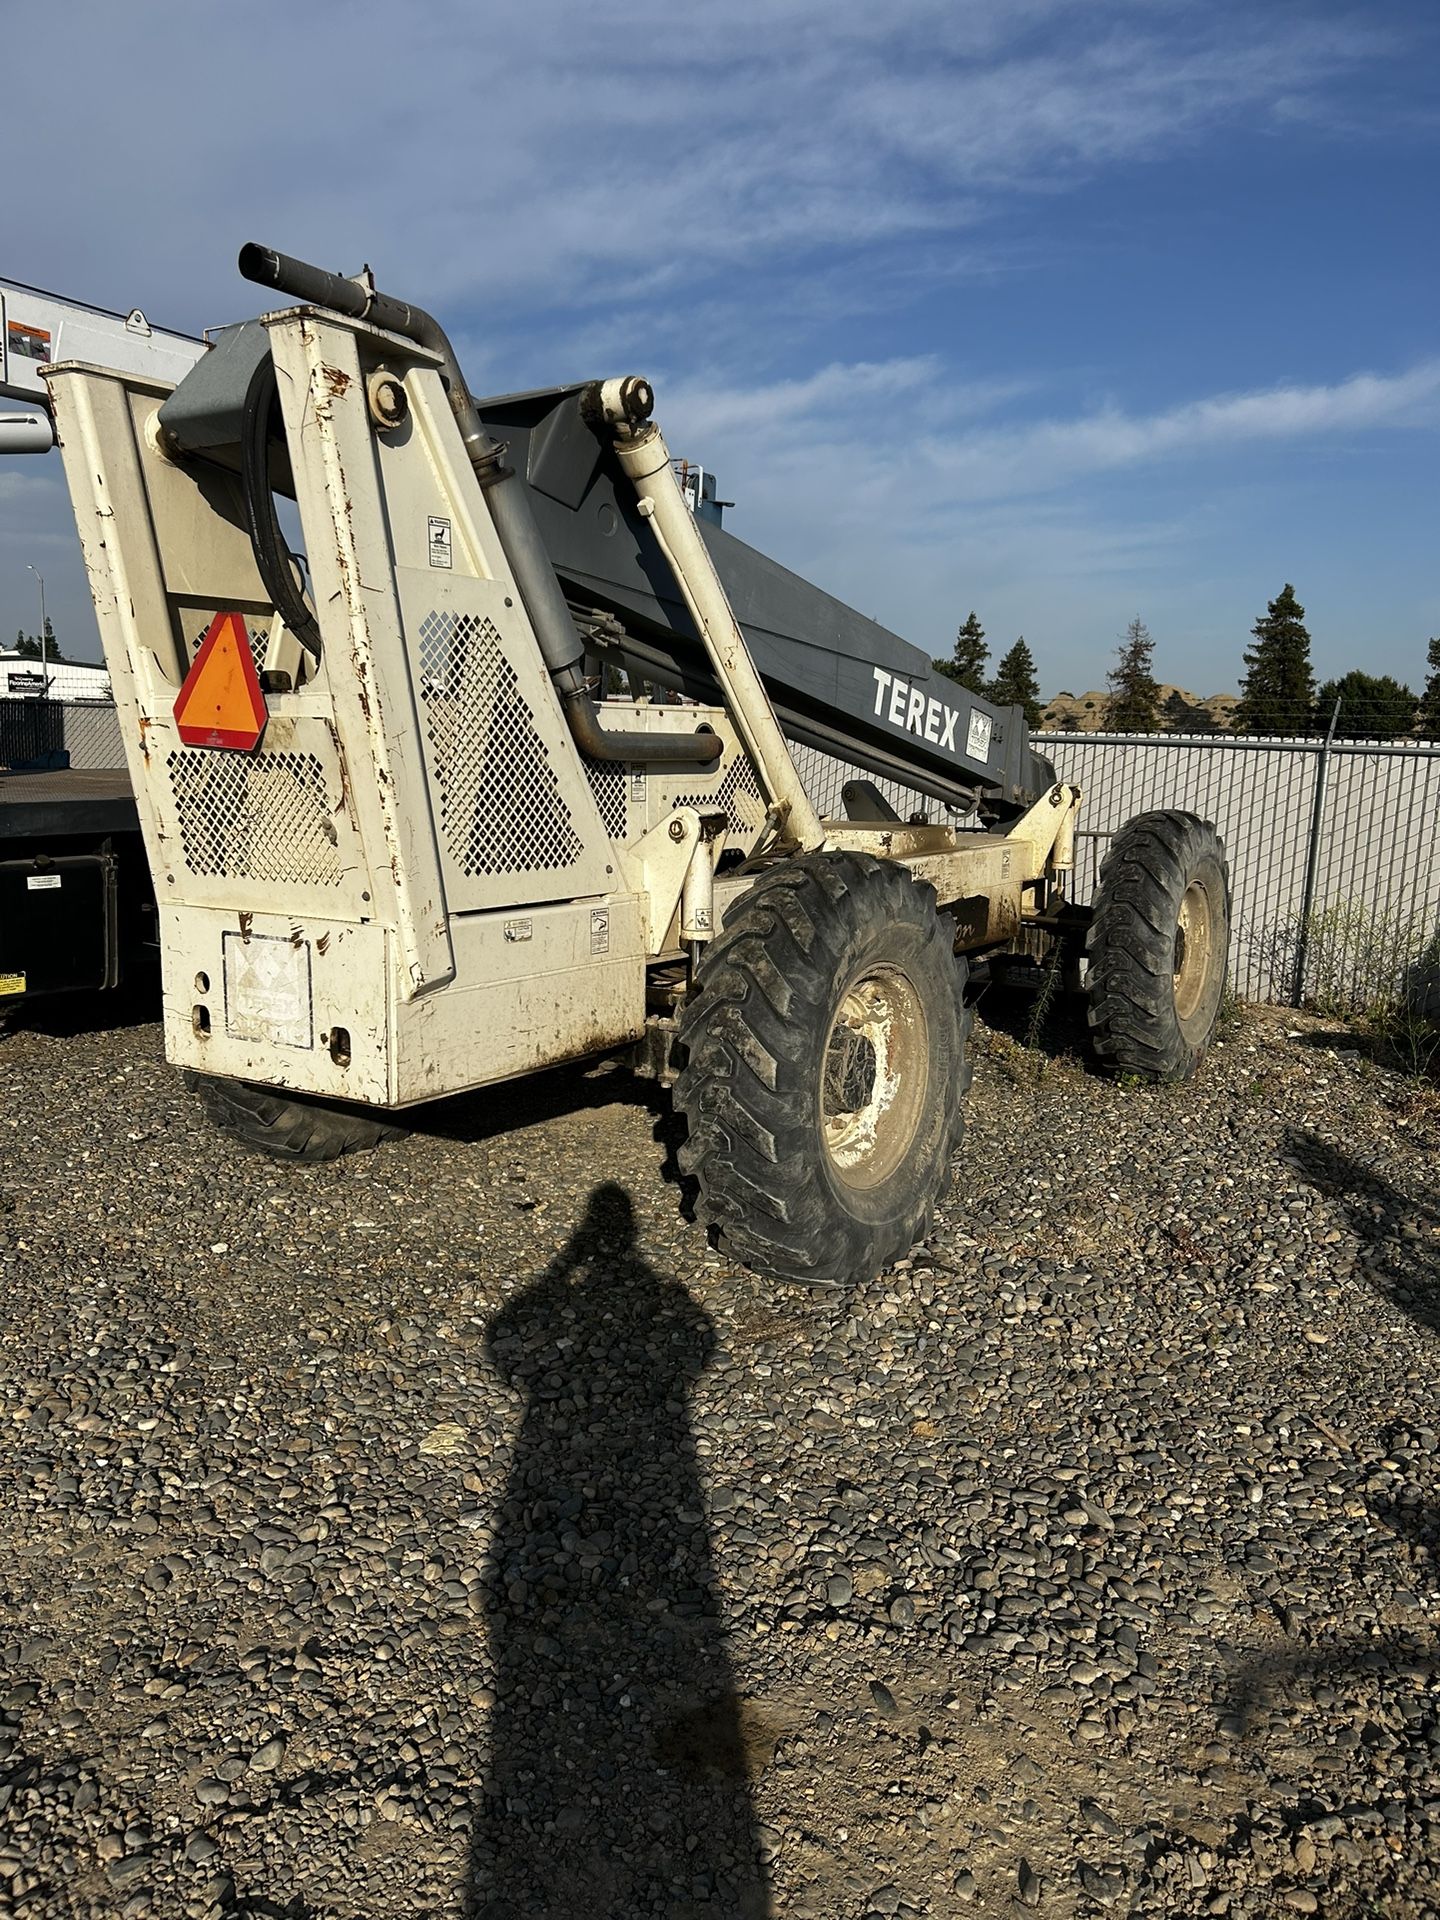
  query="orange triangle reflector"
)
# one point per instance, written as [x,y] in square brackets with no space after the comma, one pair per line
[221,704]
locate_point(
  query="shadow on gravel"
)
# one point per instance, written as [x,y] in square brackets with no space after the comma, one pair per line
[1394,1670]
[1033,1011]
[1400,1236]
[530,1102]
[474,1118]
[619,1755]
[63,1016]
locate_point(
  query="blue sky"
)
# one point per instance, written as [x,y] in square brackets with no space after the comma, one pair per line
[1065,312]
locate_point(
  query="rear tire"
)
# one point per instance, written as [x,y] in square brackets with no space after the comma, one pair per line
[824,1066]
[1158,946]
[287,1126]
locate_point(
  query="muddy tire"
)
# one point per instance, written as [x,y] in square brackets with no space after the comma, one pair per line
[824,1064]
[287,1126]
[1158,946]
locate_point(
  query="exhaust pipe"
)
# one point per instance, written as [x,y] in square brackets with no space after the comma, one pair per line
[560,644]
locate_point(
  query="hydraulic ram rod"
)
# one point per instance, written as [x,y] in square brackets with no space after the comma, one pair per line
[641,450]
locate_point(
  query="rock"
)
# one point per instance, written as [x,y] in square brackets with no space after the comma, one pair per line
[265,1759]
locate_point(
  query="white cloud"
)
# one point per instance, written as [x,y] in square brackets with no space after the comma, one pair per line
[830,418]
[1049,453]
[566,154]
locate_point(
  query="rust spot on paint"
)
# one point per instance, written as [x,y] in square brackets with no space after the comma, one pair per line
[336,379]
[322,945]
[247,920]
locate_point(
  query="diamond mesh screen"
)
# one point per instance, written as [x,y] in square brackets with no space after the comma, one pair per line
[738,780]
[259,637]
[500,807]
[607,783]
[264,817]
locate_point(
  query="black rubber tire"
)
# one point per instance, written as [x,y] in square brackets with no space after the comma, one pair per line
[1146,1017]
[813,935]
[287,1126]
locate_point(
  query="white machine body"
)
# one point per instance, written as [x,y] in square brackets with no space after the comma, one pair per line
[414,884]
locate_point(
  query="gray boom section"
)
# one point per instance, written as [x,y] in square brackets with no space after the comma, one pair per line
[837,680]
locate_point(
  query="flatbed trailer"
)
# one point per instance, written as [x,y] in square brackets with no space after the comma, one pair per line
[77,910]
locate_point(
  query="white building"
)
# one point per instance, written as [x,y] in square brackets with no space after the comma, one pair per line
[22,679]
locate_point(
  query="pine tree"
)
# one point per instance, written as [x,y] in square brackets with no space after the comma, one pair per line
[27,645]
[1134,695]
[1372,707]
[1430,699]
[971,657]
[1015,684]
[1277,694]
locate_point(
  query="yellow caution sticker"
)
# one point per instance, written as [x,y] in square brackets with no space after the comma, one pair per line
[12,983]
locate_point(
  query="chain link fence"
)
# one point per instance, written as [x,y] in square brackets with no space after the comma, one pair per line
[1334,850]
[1334,845]
[60,733]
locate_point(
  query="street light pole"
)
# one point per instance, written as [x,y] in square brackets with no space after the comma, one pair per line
[44,673]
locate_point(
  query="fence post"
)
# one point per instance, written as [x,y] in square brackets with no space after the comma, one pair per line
[1312,861]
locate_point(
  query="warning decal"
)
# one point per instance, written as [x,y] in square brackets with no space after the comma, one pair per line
[30,343]
[440,550]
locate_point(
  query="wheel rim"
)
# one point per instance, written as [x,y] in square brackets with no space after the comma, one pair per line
[874,1076]
[1194,952]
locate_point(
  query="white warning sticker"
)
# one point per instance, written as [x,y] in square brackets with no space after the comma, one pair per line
[41,882]
[440,542]
[977,738]
[599,930]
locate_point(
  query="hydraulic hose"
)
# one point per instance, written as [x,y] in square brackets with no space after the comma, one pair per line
[525,553]
[260,422]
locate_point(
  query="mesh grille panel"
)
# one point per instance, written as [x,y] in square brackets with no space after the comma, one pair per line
[260,818]
[500,807]
[259,638]
[738,780]
[608,782]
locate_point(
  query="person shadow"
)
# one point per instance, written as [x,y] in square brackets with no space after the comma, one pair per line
[619,1761]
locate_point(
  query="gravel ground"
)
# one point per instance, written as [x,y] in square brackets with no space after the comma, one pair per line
[450,1531]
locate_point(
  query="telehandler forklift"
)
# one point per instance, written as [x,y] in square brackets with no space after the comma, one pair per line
[401,851]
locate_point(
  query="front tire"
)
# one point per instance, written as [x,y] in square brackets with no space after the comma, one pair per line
[1158,946]
[824,1067]
[287,1126]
